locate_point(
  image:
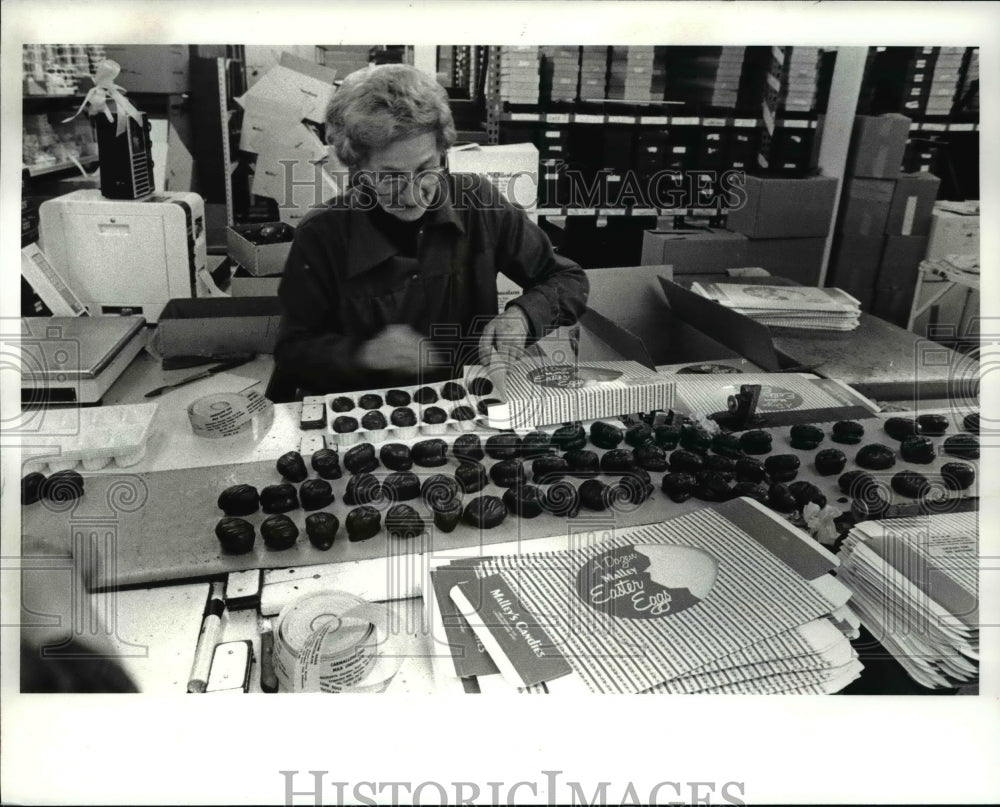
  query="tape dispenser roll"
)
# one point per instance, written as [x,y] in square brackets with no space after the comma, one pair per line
[228,414]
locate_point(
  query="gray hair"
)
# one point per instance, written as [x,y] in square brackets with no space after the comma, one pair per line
[377,106]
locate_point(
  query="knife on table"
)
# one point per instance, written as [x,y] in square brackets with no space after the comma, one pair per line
[209,371]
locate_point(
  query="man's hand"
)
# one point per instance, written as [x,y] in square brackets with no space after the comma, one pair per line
[507,334]
[395,348]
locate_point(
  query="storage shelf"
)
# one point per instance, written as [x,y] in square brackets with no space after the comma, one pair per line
[41,170]
[630,211]
[733,122]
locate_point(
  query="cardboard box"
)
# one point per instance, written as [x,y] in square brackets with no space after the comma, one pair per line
[152,68]
[854,266]
[954,229]
[258,259]
[912,205]
[249,286]
[785,208]
[798,259]
[305,85]
[877,145]
[865,207]
[212,325]
[694,251]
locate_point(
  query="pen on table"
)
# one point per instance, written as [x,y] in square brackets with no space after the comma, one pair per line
[211,627]
[218,368]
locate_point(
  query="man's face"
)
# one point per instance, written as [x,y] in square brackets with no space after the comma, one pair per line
[405,175]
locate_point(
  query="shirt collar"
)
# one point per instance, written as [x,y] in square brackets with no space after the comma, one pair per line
[368,247]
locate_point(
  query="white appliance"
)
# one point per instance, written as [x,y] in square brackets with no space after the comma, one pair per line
[126,256]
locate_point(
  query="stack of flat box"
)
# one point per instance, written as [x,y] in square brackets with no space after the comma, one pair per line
[519,74]
[704,76]
[970,83]
[564,63]
[345,59]
[673,607]
[914,583]
[593,72]
[944,81]
[820,309]
[801,72]
[727,77]
[631,75]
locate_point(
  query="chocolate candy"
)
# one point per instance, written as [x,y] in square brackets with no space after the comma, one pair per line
[780,498]
[401,486]
[711,486]
[901,428]
[235,535]
[917,449]
[507,473]
[830,461]
[546,470]
[362,489]
[561,499]
[485,512]
[683,460]
[370,401]
[397,397]
[279,498]
[847,432]
[446,517]
[805,436]
[749,469]
[238,500]
[650,457]
[932,424]
[595,495]
[463,413]
[782,467]
[875,457]
[31,486]
[524,500]
[292,467]
[425,395]
[971,422]
[728,445]
[856,484]
[362,523]
[638,434]
[315,494]
[321,529]
[679,485]
[503,446]
[483,406]
[722,464]
[361,459]
[467,447]
[806,492]
[583,463]
[909,483]
[480,386]
[373,421]
[441,490]
[618,461]
[430,453]
[667,437]
[536,444]
[755,441]
[471,477]
[396,457]
[957,475]
[345,424]
[634,488]
[326,463]
[342,404]
[751,490]
[402,417]
[570,437]
[695,439]
[958,445]
[452,391]
[279,532]
[434,415]
[403,522]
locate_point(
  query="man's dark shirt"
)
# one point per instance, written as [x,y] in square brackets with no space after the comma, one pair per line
[348,276]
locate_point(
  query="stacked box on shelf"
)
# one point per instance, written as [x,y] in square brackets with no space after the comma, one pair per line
[801,72]
[743,146]
[704,76]
[344,59]
[651,153]
[631,73]
[969,92]
[519,74]
[593,72]
[562,69]
[945,81]
[727,77]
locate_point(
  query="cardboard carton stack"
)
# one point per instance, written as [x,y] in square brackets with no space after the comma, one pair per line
[562,72]
[801,73]
[593,72]
[519,73]
[344,59]
[631,74]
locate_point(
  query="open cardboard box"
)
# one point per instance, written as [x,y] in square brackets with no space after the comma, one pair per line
[211,326]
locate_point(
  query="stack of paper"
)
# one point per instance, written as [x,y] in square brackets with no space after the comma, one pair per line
[915,585]
[819,309]
[726,599]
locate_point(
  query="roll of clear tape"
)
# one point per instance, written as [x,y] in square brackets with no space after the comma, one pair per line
[229,414]
[334,642]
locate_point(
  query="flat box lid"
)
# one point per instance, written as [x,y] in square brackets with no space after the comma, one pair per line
[60,348]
